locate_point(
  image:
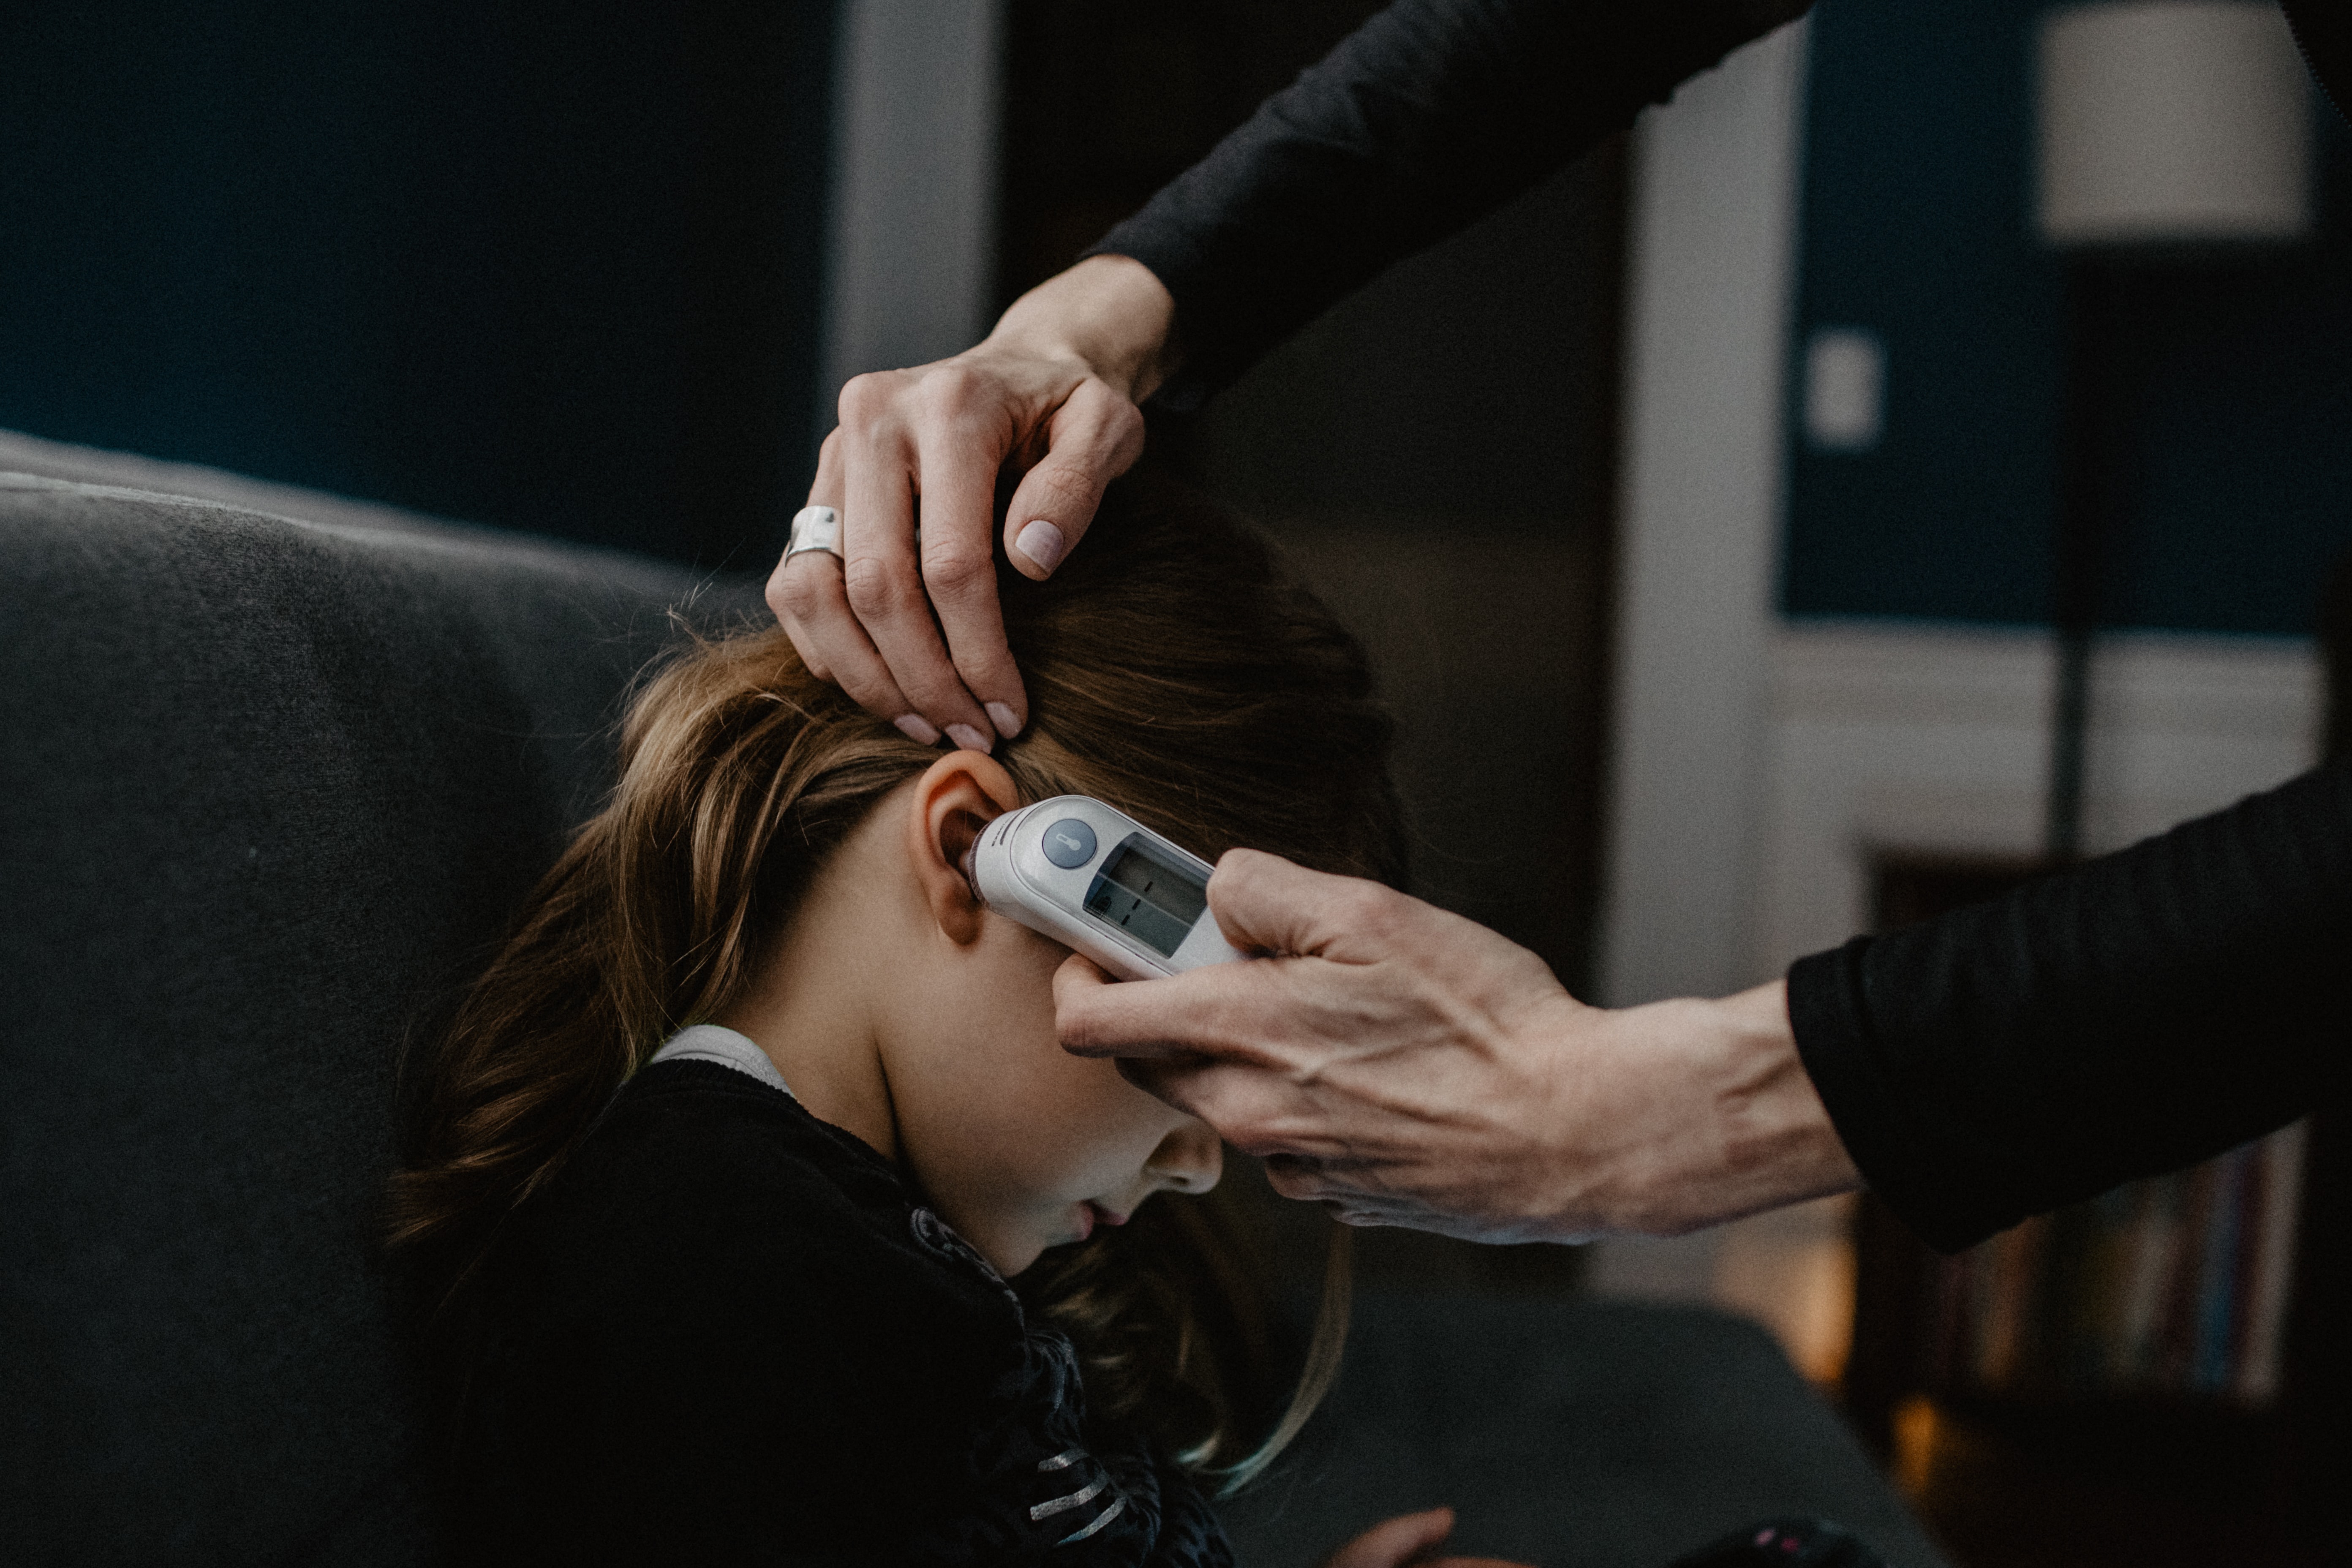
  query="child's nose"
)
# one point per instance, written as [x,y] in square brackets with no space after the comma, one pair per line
[1190,1158]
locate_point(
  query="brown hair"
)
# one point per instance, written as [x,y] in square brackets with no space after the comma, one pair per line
[1173,670]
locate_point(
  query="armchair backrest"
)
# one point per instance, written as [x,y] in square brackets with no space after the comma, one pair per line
[269,789]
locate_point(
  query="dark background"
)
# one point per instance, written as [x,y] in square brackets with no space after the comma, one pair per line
[550,265]
[2231,418]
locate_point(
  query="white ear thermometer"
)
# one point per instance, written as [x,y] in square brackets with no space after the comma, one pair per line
[1096,880]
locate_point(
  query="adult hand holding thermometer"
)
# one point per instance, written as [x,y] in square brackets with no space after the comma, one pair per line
[1404,1066]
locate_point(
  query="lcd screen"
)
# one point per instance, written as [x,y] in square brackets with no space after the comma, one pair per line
[1144,895]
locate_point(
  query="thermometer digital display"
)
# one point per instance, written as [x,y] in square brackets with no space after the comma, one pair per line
[1096,880]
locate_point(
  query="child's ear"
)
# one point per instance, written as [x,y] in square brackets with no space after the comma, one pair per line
[962,792]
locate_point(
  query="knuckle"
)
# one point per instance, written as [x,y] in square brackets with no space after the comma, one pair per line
[1122,423]
[1239,868]
[956,573]
[800,595]
[1116,424]
[868,399]
[1364,907]
[948,389]
[873,588]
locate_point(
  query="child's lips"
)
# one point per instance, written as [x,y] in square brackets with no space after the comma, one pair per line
[1092,1213]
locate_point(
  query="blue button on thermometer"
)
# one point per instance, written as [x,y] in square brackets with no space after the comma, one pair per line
[1069,844]
[1096,880]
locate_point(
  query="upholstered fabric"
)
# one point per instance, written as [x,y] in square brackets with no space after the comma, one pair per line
[267,789]
[1573,1435]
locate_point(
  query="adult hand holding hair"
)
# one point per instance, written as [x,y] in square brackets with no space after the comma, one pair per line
[1404,1066]
[1052,393]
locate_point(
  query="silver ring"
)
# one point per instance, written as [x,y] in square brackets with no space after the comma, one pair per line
[815,528]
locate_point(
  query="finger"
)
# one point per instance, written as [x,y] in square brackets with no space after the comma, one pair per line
[958,550]
[1396,1542]
[815,612]
[1219,1011]
[807,596]
[1095,436]
[1239,1102]
[1313,1178]
[880,576]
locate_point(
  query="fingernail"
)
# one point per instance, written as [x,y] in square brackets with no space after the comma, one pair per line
[917,729]
[1002,717]
[969,738]
[1041,543]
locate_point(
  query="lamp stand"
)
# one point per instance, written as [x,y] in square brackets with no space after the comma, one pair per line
[2079,556]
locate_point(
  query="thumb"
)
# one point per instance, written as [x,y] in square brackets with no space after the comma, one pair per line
[1091,440]
[1393,1542]
[1266,904]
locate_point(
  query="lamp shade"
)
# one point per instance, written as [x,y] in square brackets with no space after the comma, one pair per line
[2172,122]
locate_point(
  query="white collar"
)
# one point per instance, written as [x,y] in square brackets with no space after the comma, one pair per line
[710,1043]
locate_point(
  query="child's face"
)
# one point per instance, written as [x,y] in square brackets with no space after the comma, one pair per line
[1021,1145]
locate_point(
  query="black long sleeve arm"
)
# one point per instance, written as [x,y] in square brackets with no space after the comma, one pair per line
[1431,114]
[2141,1012]
[2150,1009]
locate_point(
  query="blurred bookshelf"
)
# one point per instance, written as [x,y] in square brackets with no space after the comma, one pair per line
[2152,1377]
[2174,1288]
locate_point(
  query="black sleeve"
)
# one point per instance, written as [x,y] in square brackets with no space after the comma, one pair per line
[2139,1013]
[1431,114]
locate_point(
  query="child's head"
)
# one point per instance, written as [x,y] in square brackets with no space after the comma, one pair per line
[776,859]
[901,1009]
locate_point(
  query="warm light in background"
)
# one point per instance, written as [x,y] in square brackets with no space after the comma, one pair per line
[1792,1270]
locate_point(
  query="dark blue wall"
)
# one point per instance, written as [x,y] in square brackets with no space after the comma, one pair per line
[2232,427]
[547,265]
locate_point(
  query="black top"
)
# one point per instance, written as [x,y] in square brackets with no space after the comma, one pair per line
[2148,1011]
[730,1333]
[1430,114]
